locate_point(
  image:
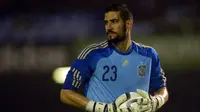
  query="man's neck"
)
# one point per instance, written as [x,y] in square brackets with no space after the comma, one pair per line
[123,46]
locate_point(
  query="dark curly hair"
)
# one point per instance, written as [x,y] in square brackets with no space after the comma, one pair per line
[125,13]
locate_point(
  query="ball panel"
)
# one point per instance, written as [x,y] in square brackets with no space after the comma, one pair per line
[132,102]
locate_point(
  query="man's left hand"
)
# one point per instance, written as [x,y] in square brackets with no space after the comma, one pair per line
[149,103]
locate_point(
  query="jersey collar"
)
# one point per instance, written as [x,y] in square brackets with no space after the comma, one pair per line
[122,53]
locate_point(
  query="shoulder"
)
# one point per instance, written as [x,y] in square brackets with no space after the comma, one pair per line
[90,49]
[145,50]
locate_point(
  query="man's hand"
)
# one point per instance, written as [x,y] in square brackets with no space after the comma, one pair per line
[149,103]
[111,107]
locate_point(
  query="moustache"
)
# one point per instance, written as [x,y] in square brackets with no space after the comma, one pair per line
[111,32]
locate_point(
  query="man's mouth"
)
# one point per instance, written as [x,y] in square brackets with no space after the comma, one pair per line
[111,33]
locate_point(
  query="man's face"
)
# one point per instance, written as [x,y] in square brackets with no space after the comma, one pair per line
[114,26]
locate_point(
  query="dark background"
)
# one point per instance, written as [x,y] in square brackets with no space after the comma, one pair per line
[38,36]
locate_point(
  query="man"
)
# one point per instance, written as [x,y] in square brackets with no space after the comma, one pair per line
[111,69]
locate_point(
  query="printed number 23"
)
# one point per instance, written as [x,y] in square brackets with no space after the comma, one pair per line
[107,69]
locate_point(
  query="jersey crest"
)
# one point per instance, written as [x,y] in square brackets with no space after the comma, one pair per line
[141,70]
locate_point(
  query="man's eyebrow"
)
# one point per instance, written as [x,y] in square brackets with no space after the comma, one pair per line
[114,19]
[111,19]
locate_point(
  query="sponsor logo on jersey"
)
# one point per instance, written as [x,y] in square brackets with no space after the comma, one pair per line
[125,63]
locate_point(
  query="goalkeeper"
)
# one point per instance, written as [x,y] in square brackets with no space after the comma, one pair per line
[109,69]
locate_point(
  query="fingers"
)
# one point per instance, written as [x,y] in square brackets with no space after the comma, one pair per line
[150,110]
[143,101]
[110,108]
[144,104]
[128,110]
[144,108]
[142,93]
[124,110]
[121,99]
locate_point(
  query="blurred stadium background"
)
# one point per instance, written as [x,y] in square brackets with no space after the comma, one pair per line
[38,36]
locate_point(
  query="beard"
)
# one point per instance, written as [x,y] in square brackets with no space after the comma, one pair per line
[117,38]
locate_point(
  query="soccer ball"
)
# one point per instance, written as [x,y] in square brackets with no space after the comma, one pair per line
[132,102]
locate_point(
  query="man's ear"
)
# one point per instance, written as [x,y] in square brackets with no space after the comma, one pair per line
[129,24]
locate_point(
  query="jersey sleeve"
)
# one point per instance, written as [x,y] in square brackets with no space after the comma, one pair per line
[78,73]
[157,79]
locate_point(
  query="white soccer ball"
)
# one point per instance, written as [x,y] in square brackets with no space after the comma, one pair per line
[132,102]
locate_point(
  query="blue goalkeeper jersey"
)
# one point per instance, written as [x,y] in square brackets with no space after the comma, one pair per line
[105,73]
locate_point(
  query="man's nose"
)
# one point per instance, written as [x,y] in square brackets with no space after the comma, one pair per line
[109,27]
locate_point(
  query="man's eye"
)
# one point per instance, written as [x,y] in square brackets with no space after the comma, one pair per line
[105,22]
[114,21]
